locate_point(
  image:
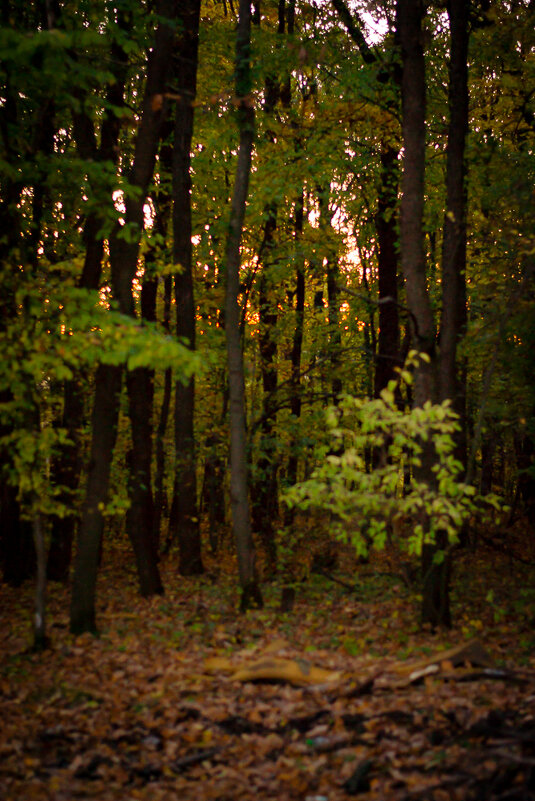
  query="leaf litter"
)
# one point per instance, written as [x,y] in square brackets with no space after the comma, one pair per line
[180,697]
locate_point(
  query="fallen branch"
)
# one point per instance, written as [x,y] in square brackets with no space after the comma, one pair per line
[193,759]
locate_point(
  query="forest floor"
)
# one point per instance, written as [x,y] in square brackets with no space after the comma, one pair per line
[350,698]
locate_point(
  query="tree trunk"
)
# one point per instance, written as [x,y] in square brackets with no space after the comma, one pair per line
[265,506]
[67,467]
[387,356]
[40,640]
[410,16]
[104,432]
[213,491]
[160,496]
[333,301]
[453,322]
[187,514]
[297,347]
[123,261]
[17,550]
[410,13]
[239,499]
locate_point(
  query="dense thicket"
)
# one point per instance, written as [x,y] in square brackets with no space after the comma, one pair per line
[215,222]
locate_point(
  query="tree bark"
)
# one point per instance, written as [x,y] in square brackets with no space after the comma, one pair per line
[123,261]
[160,496]
[453,321]
[297,347]
[250,589]
[104,432]
[410,16]
[387,357]
[333,300]
[187,513]
[67,467]
[40,640]
[435,592]
[265,506]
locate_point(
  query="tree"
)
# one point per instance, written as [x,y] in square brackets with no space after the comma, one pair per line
[437,377]
[251,594]
[124,249]
[187,515]
[101,150]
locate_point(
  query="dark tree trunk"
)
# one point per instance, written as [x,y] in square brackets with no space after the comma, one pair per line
[387,356]
[410,15]
[265,489]
[335,337]
[451,381]
[139,518]
[525,461]
[297,347]
[163,205]
[104,433]
[160,496]
[67,467]
[265,506]
[187,514]
[66,475]
[435,594]
[123,260]
[17,551]
[213,491]
[333,300]
[40,639]
[453,322]
[239,482]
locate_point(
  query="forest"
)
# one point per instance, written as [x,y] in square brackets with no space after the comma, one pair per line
[267,415]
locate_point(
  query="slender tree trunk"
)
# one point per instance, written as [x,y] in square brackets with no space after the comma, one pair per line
[451,380]
[288,590]
[162,216]
[17,551]
[67,467]
[104,433]
[297,347]
[40,640]
[435,593]
[410,16]
[123,260]
[160,497]
[333,293]
[213,490]
[265,505]
[265,489]
[187,513]
[453,322]
[387,356]
[239,499]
